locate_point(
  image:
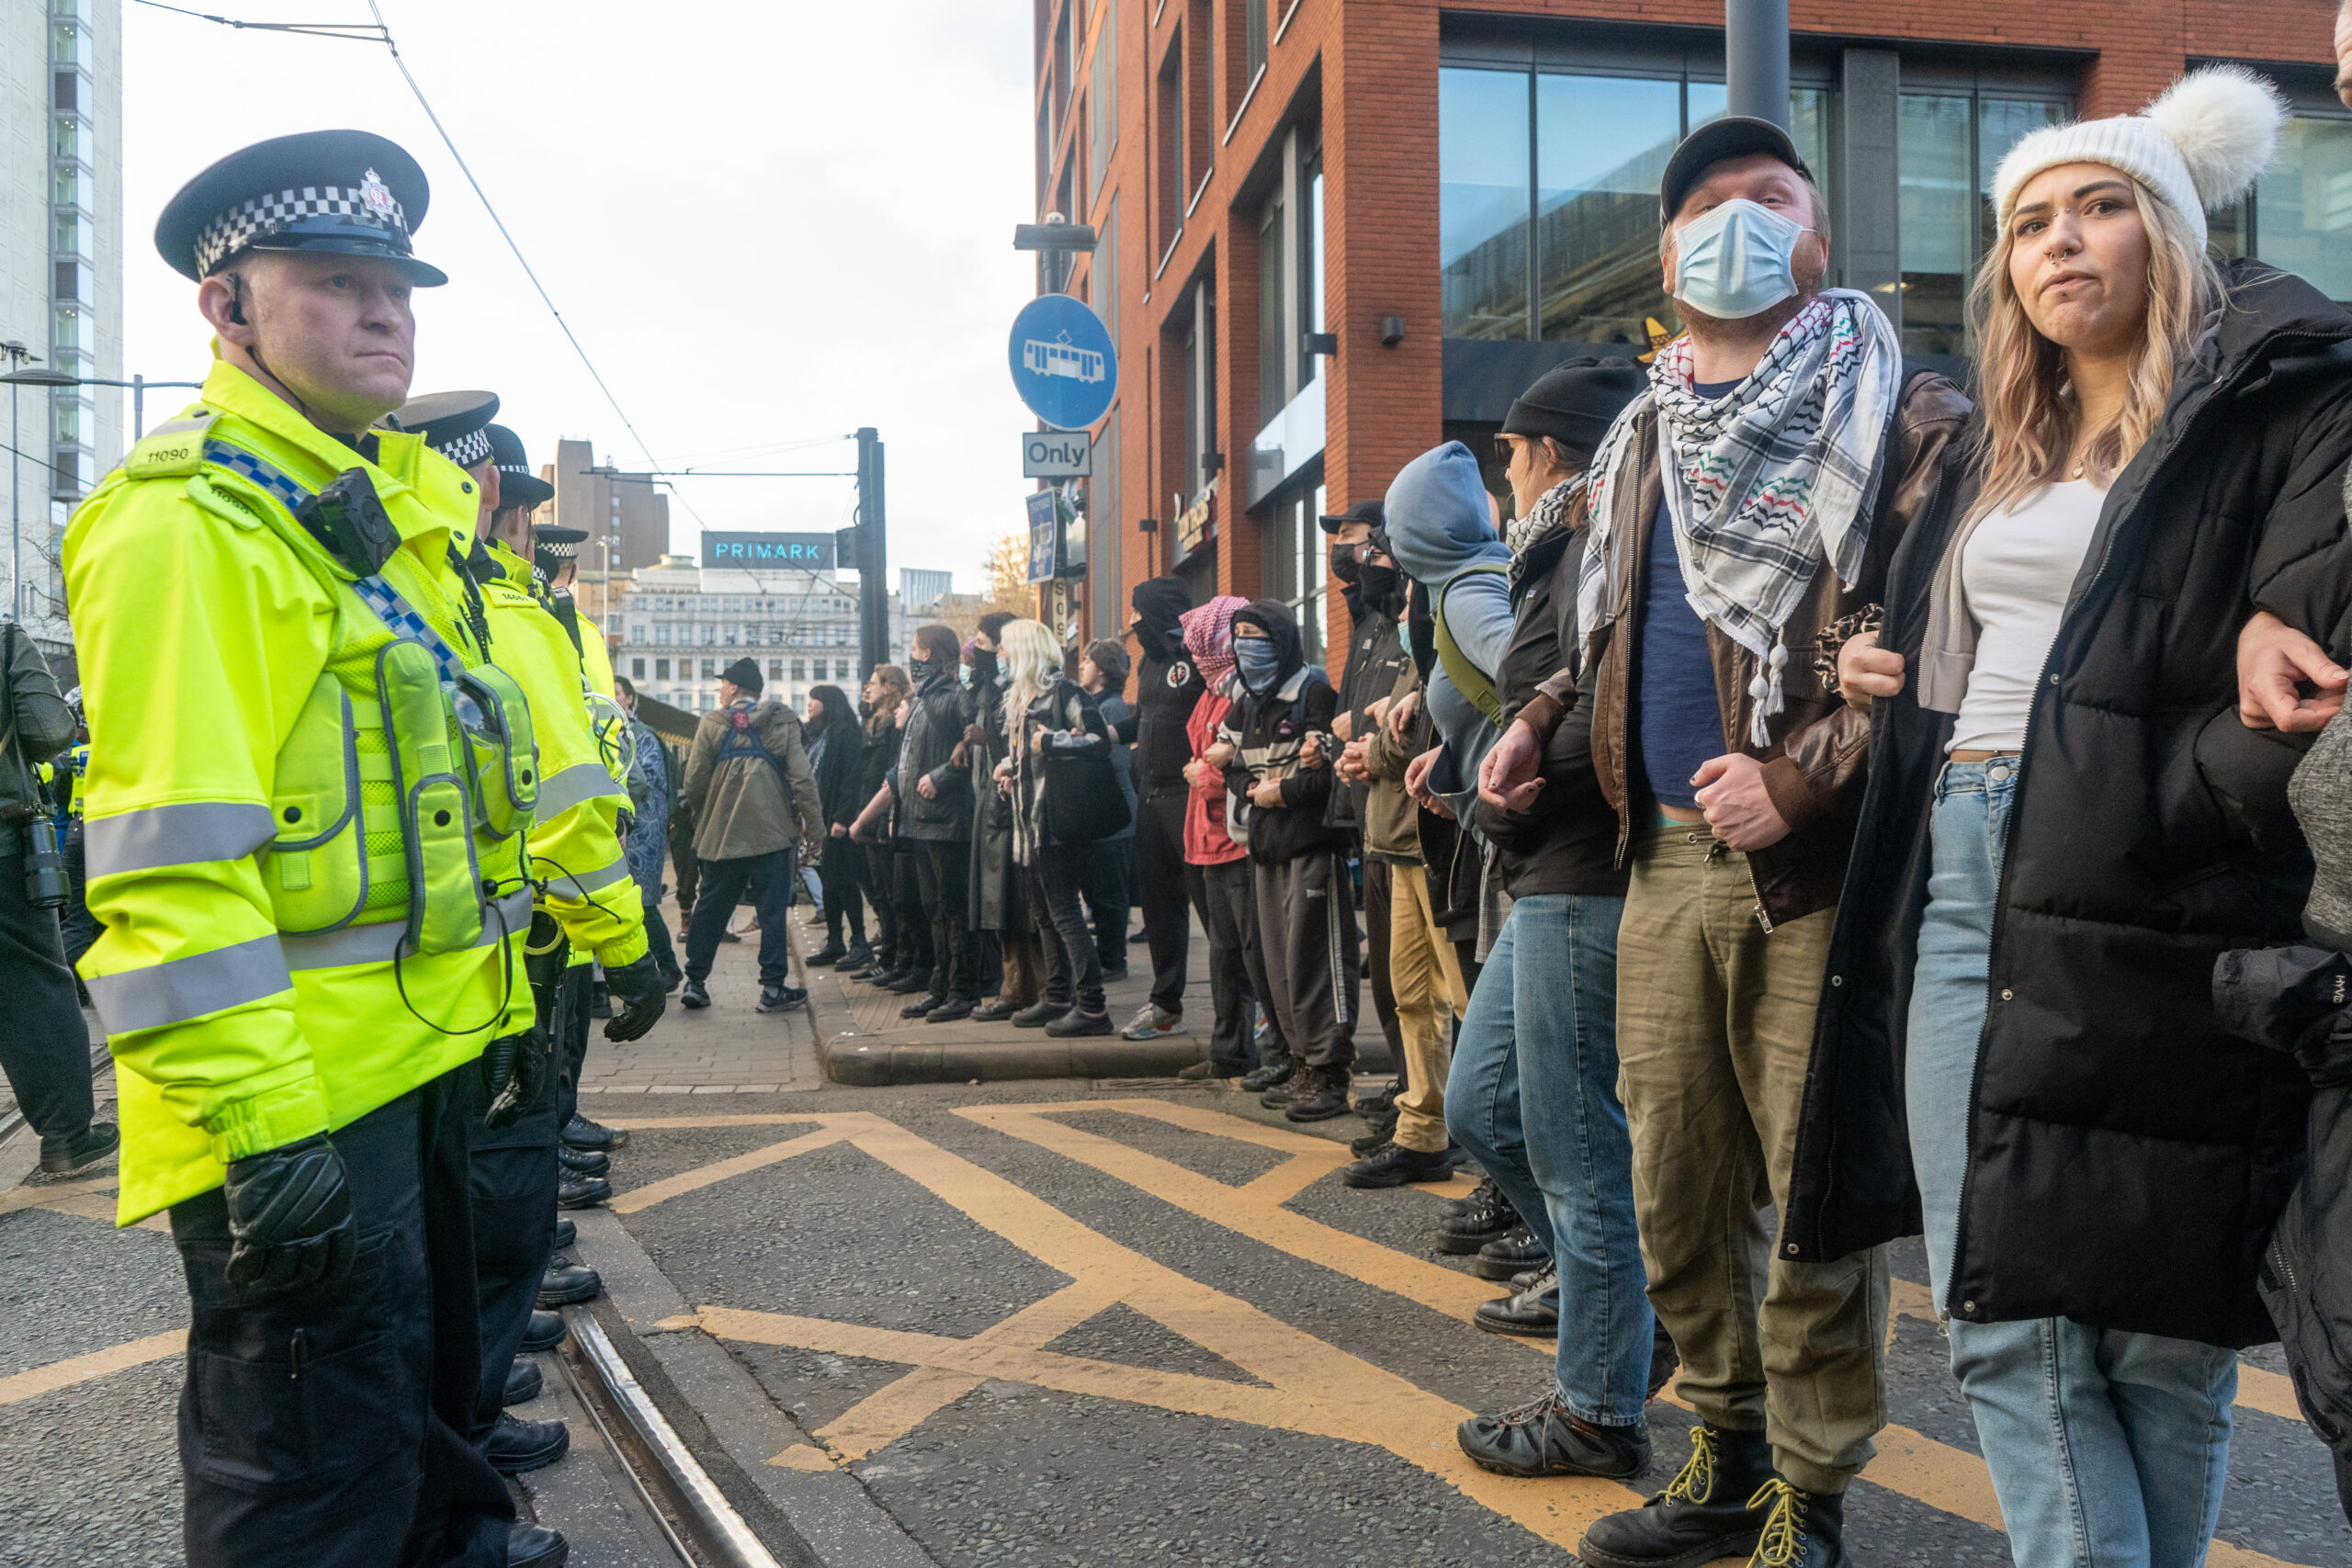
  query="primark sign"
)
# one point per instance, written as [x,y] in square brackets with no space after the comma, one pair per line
[768,552]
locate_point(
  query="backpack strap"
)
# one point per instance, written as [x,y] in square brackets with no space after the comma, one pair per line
[741,741]
[1468,679]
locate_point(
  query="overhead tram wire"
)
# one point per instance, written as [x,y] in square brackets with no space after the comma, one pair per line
[361,32]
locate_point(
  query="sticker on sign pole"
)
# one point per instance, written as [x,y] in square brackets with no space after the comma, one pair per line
[1064,364]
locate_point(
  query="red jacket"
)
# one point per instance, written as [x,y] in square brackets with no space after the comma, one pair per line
[1206,842]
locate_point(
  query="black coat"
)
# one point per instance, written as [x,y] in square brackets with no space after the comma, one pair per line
[2127,1157]
[1376,658]
[840,770]
[934,726]
[996,904]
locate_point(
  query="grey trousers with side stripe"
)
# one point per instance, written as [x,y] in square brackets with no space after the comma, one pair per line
[1306,932]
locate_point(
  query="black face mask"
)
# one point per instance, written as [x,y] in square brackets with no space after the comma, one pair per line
[922,671]
[1347,564]
[1384,589]
[983,667]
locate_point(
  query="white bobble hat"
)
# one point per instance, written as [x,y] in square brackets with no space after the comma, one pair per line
[2199,146]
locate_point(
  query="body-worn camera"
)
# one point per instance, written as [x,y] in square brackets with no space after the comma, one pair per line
[347,518]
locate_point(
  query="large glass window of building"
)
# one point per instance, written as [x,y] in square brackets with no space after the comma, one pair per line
[1547,195]
[1296,568]
[1950,145]
[2298,216]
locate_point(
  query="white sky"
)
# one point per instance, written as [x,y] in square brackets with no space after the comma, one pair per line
[768,224]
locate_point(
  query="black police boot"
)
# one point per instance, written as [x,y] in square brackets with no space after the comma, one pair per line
[74,1151]
[566,1234]
[515,1445]
[1541,1439]
[545,1333]
[1394,1165]
[1709,1510]
[575,1191]
[697,995]
[567,1282]
[583,1162]
[1273,1068]
[1509,1253]
[1485,1216]
[522,1383]
[536,1546]
[582,1133]
[1532,1312]
[1319,1101]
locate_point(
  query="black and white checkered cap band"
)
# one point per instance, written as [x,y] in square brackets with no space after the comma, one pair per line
[467,450]
[563,550]
[521,470]
[266,215]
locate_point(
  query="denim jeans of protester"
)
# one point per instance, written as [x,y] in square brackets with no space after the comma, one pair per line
[1533,1095]
[2107,1450]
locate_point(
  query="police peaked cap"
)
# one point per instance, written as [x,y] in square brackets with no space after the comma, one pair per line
[519,483]
[335,192]
[550,547]
[455,424]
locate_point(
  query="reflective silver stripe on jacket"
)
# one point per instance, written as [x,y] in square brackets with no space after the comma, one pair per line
[383,941]
[186,833]
[192,987]
[582,781]
[566,885]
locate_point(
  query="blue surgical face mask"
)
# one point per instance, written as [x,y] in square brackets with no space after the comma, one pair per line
[1255,658]
[1405,637]
[963,674]
[1733,262]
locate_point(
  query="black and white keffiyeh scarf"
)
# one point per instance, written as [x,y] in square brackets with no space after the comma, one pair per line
[1552,511]
[1762,483]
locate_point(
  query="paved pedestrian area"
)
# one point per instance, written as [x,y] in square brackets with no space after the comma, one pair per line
[1052,1323]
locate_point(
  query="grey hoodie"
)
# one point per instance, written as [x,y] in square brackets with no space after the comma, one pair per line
[1439,527]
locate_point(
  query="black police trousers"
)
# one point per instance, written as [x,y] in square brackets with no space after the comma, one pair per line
[44,1043]
[330,1431]
[512,1177]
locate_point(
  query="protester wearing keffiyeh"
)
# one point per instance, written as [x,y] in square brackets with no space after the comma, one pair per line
[1208,638]
[1762,482]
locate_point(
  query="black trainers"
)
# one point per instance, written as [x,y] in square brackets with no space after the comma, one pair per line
[523,1382]
[1532,1312]
[77,1151]
[1541,1439]
[696,995]
[1273,1068]
[780,999]
[1317,1095]
[1801,1530]
[515,1445]
[545,1333]
[1393,1165]
[582,1133]
[1485,1216]
[1508,1253]
[1710,1509]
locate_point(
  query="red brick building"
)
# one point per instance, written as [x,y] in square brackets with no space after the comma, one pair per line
[1334,232]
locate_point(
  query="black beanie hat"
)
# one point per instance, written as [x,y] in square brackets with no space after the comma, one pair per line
[1576,402]
[744,674]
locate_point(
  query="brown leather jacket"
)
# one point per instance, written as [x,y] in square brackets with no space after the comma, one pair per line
[1816,765]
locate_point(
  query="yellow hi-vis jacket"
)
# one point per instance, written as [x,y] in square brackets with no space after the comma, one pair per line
[575,844]
[204,635]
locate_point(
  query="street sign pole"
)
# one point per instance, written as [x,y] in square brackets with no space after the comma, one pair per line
[873,555]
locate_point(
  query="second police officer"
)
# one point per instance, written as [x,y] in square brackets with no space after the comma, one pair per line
[308,804]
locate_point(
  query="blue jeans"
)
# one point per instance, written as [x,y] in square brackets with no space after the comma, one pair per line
[1533,1095]
[2107,1450]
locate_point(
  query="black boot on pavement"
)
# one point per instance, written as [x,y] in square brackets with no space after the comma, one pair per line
[923,1004]
[696,995]
[858,957]
[951,1010]
[915,980]
[1383,1131]
[583,1162]
[1081,1021]
[76,1151]
[522,1383]
[536,1546]
[1394,1165]
[1038,1014]
[1509,1253]
[1532,1312]
[1801,1530]
[545,1333]
[831,952]
[1317,1095]
[1708,1510]
[515,1445]
[582,1133]
[567,1282]
[1541,1439]
[996,1009]
[566,1233]
[581,1192]
[1273,1068]
[1380,1105]
[1485,1216]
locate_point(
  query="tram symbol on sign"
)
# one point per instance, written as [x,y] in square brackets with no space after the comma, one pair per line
[1061,357]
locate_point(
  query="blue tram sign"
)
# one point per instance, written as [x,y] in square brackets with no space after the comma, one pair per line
[1064,364]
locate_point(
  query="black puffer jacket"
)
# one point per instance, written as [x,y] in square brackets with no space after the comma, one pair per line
[2127,1157]
[1167,686]
[934,725]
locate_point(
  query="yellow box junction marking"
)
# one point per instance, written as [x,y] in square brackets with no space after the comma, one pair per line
[97,1364]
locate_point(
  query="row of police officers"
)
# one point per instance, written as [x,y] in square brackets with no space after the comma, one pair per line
[351,842]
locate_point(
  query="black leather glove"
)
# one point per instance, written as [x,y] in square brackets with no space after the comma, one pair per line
[290,1215]
[514,1076]
[638,986]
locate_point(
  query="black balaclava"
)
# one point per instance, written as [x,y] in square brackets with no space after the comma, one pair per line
[1275,619]
[1159,602]
[1383,586]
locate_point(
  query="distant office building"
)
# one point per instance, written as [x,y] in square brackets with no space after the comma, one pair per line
[627,516]
[60,275]
[918,588]
[678,626]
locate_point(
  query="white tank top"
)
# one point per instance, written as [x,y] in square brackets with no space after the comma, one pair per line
[2016,569]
